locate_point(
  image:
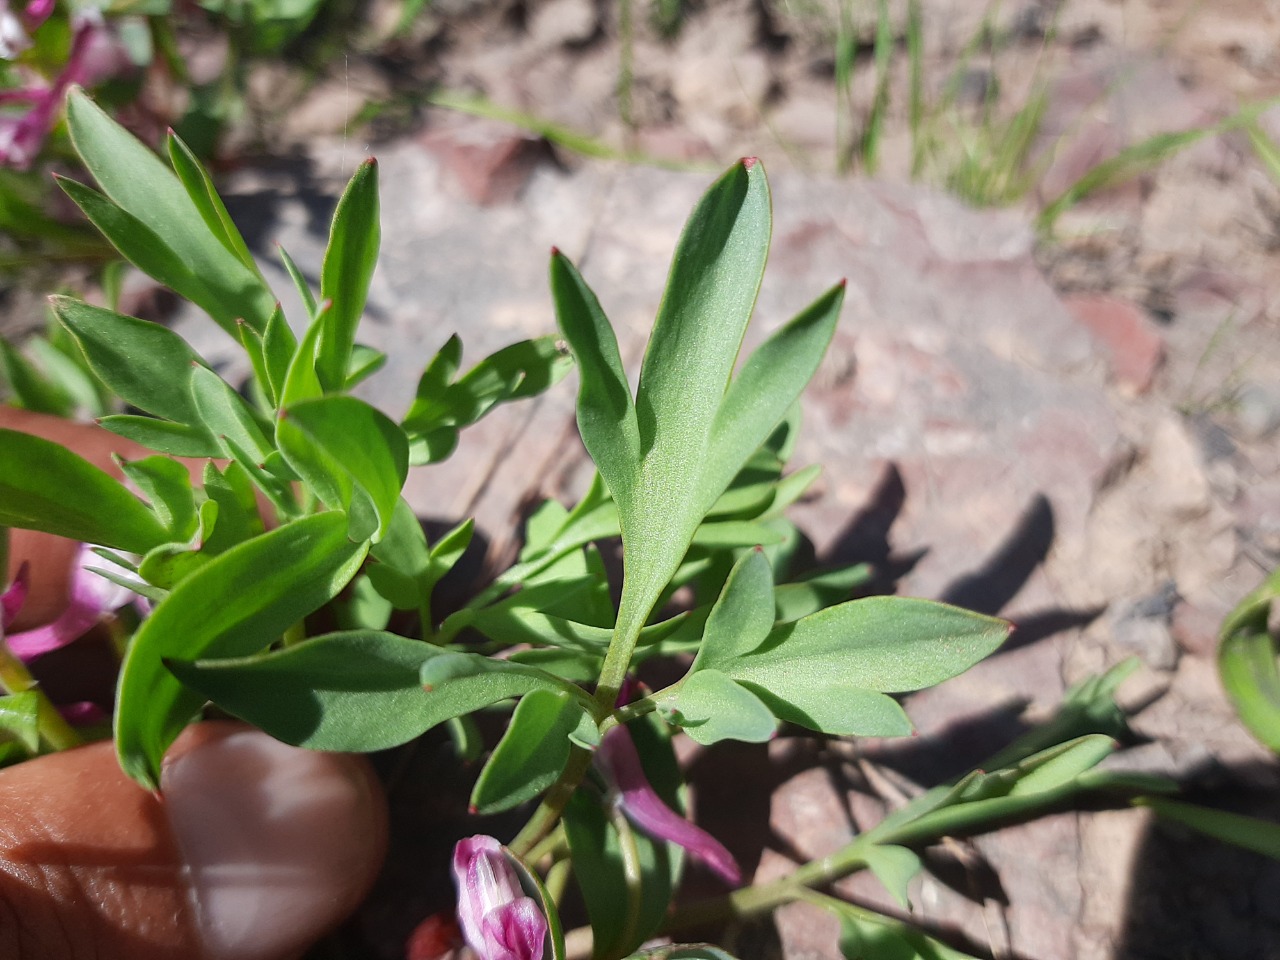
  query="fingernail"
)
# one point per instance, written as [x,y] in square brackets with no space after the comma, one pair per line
[279,843]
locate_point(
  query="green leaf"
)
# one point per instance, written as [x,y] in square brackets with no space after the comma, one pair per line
[514,625]
[300,381]
[236,604]
[20,719]
[44,486]
[441,407]
[162,436]
[531,753]
[1260,836]
[1248,665]
[299,281]
[167,485]
[606,412]
[278,348]
[139,184]
[31,389]
[710,293]
[819,590]
[743,616]
[710,707]
[731,534]
[365,362]
[356,691]
[229,418]
[981,800]
[770,381]
[238,519]
[865,935]
[822,671]
[348,266]
[145,364]
[354,458]
[199,186]
[894,867]
[64,364]
[683,951]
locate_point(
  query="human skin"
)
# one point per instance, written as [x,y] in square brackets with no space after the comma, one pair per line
[251,850]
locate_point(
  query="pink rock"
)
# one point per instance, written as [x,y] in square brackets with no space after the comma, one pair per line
[490,162]
[1133,343]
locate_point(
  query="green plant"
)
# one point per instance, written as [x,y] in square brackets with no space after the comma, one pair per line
[691,477]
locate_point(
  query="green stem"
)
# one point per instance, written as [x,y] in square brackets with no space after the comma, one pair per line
[632,873]
[632,614]
[296,633]
[16,678]
[553,843]
[549,811]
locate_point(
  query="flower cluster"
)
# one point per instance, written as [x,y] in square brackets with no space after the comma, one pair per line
[31,109]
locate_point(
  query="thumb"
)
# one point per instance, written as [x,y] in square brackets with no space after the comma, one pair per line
[253,851]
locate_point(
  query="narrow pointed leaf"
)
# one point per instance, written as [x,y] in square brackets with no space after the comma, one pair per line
[301,381]
[145,364]
[771,380]
[299,281]
[200,189]
[348,266]
[162,436]
[355,691]
[44,486]
[137,181]
[606,412]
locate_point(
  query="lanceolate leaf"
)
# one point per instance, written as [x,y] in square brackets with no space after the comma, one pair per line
[44,486]
[200,189]
[770,381]
[236,604]
[711,291]
[348,267]
[355,691]
[162,436]
[742,616]
[144,363]
[606,412]
[136,181]
[167,485]
[228,417]
[354,457]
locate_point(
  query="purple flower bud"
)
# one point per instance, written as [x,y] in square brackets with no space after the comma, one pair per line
[620,763]
[498,921]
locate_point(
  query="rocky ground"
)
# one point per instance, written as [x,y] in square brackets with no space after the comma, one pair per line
[1079,432]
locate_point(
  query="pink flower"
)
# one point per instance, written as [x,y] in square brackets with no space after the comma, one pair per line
[619,762]
[96,55]
[92,598]
[498,921]
[16,27]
